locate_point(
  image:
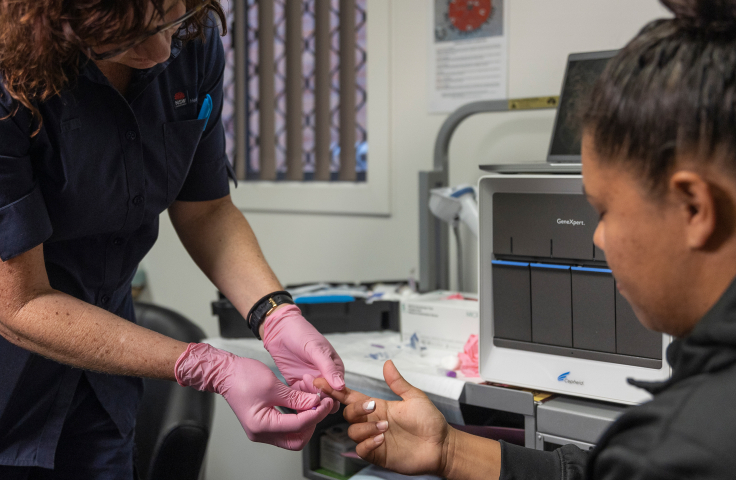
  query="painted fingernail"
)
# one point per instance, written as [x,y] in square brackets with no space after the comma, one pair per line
[378,439]
[369,406]
[382,426]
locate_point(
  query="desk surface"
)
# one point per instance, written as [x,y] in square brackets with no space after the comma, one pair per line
[364,354]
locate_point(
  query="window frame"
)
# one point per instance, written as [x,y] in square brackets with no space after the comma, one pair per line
[369,197]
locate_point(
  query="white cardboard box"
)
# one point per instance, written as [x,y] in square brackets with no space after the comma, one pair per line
[438,321]
[333,443]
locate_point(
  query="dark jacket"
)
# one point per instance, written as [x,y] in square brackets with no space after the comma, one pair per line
[688,431]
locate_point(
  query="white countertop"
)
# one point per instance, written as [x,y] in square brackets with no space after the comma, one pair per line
[364,354]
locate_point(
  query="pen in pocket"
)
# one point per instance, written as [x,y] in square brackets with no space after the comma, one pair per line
[205,111]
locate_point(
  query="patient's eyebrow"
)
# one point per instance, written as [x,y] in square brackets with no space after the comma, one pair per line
[591,198]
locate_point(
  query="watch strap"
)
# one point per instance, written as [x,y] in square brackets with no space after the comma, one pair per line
[264,307]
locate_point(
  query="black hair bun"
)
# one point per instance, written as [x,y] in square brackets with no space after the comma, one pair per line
[710,15]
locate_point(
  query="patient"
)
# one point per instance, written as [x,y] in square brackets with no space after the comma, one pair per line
[659,166]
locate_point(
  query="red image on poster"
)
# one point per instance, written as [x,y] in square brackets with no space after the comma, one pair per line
[468,15]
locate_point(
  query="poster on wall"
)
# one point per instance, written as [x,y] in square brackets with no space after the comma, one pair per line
[468,58]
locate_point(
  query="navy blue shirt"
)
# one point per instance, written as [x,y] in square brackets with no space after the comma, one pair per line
[90,187]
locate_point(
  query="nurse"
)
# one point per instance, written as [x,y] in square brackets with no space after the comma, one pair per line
[100,134]
[659,166]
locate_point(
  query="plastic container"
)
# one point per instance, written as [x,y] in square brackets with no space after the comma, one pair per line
[341,317]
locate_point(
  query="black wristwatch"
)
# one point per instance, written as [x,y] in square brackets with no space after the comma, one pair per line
[264,307]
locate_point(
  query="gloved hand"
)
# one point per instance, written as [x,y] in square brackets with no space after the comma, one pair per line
[252,391]
[301,352]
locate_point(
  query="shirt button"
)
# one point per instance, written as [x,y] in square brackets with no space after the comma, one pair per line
[138,199]
[118,241]
[105,299]
[131,135]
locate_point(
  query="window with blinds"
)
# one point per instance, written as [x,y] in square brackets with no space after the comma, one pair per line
[302,123]
[229,83]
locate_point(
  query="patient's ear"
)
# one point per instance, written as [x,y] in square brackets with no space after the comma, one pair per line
[698,201]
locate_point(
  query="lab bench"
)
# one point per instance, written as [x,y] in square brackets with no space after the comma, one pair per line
[548,424]
[547,420]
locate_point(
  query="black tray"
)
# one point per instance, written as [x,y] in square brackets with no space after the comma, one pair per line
[357,316]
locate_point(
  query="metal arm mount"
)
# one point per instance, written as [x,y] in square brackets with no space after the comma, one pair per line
[434,238]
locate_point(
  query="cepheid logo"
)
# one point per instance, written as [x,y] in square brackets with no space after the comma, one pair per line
[563,378]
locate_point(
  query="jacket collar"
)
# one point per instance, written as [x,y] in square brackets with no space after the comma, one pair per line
[710,347]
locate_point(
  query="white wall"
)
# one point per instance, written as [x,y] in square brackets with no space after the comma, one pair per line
[305,248]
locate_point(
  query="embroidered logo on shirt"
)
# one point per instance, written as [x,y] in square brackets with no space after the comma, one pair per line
[180,99]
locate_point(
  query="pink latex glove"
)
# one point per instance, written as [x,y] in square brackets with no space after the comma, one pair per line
[252,391]
[301,352]
[469,357]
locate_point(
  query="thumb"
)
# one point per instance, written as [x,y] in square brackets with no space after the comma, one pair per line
[397,383]
[306,384]
[328,362]
[295,399]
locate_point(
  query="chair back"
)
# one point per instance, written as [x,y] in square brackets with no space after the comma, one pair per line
[173,423]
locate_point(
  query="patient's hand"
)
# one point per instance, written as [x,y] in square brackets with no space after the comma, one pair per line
[409,436]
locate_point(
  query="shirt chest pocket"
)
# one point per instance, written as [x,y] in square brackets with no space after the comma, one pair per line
[180,141]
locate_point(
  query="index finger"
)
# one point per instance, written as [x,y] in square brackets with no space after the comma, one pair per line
[345,396]
[358,412]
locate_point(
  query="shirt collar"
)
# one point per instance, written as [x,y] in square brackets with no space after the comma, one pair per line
[89,69]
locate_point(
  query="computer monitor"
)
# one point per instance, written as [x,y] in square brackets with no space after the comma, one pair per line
[583,69]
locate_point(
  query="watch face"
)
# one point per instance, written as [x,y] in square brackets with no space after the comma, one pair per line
[467,19]
[468,15]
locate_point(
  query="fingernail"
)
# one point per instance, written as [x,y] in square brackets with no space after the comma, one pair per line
[369,406]
[339,382]
[382,426]
[378,438]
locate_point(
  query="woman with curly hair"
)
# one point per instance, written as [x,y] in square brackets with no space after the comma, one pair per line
[104,125]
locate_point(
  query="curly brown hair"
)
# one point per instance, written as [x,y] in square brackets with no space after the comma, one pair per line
[41,40]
